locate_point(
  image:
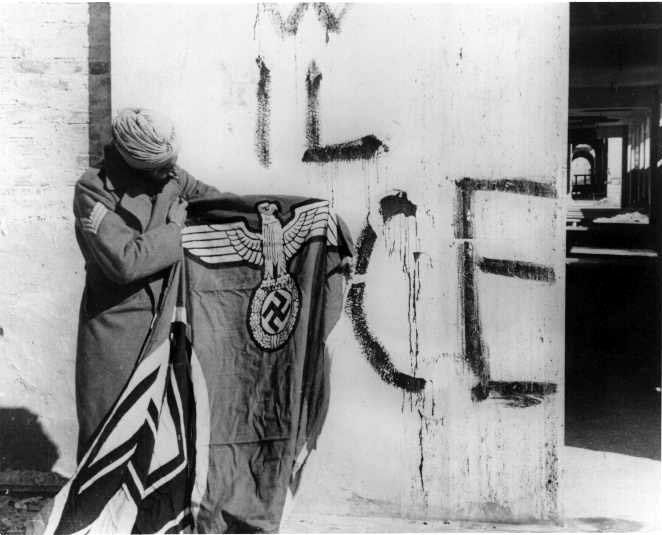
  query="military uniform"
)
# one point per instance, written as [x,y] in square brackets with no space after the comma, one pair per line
[128,245]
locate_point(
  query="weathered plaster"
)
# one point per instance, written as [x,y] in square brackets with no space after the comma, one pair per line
[446,105]
[44,140]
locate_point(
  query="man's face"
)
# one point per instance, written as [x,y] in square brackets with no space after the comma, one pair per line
[162,174]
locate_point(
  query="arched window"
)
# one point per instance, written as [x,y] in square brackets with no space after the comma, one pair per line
[581,171]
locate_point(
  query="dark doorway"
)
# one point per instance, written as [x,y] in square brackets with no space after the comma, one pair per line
[613,261]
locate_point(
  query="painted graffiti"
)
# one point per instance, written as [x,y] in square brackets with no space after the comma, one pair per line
[313,81]
[358,149]
[376,354]
[329,16]
[515,393]
[362,148]
[517,269]
[520,394]
[263,114]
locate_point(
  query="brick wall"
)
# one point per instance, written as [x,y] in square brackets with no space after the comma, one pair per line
[44,148]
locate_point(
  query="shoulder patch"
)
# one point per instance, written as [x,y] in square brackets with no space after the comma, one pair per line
[91,223]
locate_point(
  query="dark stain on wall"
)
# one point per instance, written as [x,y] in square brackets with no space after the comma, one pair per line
[396,204]
[98,34]
[263,126]
[358,149]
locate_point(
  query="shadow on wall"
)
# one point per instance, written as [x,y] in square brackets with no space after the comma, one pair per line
[23,443]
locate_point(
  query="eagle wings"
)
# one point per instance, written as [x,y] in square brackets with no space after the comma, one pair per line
[235,242]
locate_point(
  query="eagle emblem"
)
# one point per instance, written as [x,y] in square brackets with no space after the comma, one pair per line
[274,306]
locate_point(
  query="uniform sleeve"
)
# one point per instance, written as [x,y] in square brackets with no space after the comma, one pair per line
[122,256]
[193,189]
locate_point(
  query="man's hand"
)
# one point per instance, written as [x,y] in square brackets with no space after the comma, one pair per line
[177,212]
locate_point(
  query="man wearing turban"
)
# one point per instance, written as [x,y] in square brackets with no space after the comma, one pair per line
[129,216]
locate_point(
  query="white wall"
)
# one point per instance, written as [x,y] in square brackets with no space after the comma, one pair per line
[454,91]
[43,143]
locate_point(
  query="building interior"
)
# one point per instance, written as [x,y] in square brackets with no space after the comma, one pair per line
[613,228]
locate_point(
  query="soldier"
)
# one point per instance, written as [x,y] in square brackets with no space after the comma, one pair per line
[129,216]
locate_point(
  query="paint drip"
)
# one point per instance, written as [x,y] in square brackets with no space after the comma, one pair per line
[401,237]
[313,81]
[263,127]
[372,349]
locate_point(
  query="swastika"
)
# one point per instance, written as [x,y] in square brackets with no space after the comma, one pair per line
[276,311]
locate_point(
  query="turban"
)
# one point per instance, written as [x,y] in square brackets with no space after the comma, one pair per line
[145,138]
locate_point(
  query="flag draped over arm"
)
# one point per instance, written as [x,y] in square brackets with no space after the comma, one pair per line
[230,389]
